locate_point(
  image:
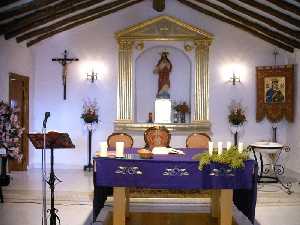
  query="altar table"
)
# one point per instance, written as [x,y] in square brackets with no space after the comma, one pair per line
[176,172]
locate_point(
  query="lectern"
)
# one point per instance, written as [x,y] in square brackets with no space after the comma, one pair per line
[53,140]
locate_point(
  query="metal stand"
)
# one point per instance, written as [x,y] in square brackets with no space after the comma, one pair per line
[277,169]
[51,182]
[1,195]
[236,138]
[89,166]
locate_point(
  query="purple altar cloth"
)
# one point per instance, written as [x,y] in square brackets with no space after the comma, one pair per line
[170,172]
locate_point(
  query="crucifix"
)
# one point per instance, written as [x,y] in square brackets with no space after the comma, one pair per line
[64,62]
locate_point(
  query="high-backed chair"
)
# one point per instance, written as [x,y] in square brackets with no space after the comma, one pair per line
[157,136]
[197,140]
[119,137]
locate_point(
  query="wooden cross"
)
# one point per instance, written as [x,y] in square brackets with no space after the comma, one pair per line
[64,62]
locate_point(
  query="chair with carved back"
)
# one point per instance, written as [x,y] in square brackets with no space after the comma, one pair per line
[119,137]
[197,140]
[157,136]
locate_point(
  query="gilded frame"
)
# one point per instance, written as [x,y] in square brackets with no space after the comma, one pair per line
[163,28]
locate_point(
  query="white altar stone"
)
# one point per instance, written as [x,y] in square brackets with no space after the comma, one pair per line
[163,109]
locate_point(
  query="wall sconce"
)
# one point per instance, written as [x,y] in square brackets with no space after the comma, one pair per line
[92,77]
[234,79]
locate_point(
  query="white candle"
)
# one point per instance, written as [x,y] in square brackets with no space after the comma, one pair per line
[210,147]
[103,149]
[220,148]
[119,149]
[228,145]
[241,147]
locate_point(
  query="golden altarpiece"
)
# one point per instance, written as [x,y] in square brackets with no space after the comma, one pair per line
[161,29]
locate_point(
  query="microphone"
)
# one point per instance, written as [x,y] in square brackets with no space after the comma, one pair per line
[47,115]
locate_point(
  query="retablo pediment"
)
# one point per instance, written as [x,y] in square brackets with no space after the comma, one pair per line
[163,28]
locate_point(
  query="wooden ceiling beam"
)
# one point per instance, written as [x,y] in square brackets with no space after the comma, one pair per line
[83,21]
[238,25]
[68,20]
[25,8]
[15,32]
[286,6]
[4,3]
[159,5]
[47,12]
[261,18]
[267,9]
[251,24]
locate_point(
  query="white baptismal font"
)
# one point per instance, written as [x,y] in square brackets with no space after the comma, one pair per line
[161,29]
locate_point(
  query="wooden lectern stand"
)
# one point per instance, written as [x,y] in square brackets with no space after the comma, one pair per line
[54,140]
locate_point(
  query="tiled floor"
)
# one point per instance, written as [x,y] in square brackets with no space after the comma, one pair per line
[74,201]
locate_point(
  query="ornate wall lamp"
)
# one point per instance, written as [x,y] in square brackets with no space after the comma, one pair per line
[234,79]
[92,77]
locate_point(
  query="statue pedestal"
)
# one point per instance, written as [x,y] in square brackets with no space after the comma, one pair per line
[163,110]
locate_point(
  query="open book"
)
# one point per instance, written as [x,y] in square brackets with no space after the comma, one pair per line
[165,151]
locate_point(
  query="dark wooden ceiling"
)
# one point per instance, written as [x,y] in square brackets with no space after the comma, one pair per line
[275,21]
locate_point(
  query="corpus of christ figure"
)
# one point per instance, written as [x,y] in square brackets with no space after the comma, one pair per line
[163,69]
[64,62]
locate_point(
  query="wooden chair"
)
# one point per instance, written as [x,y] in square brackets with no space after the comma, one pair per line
[119,137]
[197,140]
[157,136]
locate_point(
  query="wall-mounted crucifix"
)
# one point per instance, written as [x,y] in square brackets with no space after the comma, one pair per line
[64,62]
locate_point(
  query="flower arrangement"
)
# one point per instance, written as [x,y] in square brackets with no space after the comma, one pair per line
[90,111]
[10,131]
[232,157]
[181,108]
[237,115]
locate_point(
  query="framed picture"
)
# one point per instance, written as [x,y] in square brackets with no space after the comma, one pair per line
[275,93]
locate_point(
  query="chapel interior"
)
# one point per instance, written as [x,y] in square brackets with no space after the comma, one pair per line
[149,112]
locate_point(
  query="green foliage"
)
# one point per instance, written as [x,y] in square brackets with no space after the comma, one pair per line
[231,157]
[237,115]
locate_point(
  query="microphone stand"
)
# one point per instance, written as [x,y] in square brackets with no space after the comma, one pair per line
[44,178]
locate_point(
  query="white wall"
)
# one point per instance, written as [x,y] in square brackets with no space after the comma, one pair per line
[293,129]
[95,42]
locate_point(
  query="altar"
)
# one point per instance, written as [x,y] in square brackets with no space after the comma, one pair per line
[174,172]
[183,77]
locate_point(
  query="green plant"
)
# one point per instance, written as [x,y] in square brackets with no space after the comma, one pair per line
[237,114]
[90,111]
[231,157]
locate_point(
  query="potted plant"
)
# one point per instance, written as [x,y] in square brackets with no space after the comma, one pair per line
[236,118]
[10,131]
[90,112]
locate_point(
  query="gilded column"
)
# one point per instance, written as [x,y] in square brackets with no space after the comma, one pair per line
[201,111]
[125,80]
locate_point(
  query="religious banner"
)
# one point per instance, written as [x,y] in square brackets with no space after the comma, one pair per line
[275,93]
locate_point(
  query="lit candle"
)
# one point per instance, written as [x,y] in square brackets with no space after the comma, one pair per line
[103,149]
[241,147]
[210,147]
[119,149]
[228,145]
[220,148]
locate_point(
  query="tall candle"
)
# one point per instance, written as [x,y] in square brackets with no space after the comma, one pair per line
[103,149]
[220,148]
[228,145]
[119,149]
[241,147]
[210,147]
